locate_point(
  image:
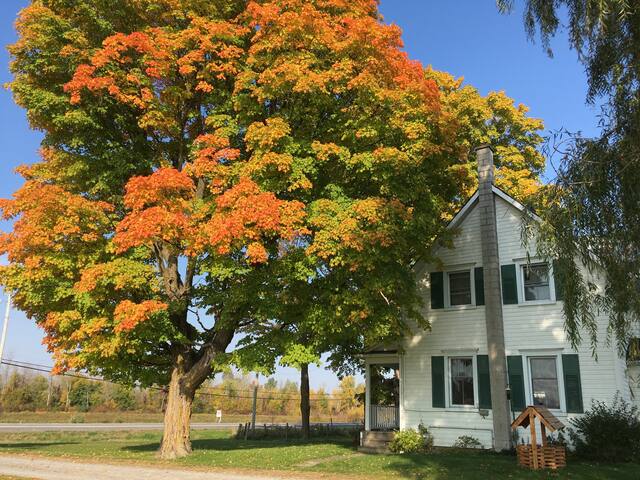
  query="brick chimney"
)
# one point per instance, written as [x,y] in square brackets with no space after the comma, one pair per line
[493,300]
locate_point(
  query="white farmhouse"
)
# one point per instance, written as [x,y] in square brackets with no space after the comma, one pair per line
[441,377]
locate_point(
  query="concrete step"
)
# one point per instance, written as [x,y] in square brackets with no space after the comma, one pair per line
[374,450]
[380,435]
[374,443]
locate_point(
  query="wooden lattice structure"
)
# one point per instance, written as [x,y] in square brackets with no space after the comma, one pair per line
[536,456]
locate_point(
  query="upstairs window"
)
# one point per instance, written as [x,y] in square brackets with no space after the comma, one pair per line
[536,282]
[460,288]
[633,350]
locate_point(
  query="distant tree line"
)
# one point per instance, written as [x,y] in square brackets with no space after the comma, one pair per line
[233,394]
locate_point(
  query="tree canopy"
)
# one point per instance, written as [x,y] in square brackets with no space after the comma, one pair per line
[214,169]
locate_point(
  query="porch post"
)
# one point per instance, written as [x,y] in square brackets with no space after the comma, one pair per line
[367,396]
[400,394]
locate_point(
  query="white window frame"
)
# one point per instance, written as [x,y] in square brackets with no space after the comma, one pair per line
[520,279]
[447,290]
[448,392]
[528,385]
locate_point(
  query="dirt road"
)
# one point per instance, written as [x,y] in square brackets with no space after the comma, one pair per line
[43,468]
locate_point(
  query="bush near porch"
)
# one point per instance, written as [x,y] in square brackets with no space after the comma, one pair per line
[412,441]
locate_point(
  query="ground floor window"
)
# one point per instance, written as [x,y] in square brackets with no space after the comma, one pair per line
[544,381]
[462,381]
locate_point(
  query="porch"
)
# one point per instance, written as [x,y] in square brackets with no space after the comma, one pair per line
[382,395]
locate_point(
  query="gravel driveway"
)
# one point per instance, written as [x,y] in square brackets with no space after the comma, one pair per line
[43,468]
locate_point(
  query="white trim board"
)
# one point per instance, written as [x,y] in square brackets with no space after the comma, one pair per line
[464,211]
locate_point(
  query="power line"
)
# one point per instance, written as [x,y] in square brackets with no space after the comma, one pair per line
[212,390]
[30,363]
[47,369]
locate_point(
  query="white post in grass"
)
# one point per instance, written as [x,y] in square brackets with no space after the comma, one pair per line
[255,383]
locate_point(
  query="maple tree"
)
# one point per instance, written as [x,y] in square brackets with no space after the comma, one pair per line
[304,337]
[220,169]
[495,120]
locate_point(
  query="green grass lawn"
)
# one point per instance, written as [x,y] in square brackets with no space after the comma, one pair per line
[217,449]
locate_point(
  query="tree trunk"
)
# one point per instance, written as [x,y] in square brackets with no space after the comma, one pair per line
[305,404]
[176,440]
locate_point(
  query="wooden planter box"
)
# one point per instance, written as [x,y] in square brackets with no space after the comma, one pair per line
[551,456]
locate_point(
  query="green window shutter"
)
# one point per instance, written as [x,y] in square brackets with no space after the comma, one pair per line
[484,381]
[557,281]
[437,382]
[509,284]
[437,290]
[516,382]
[572,384]
[478,276]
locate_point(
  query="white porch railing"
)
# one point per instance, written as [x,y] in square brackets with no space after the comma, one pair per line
[384,417]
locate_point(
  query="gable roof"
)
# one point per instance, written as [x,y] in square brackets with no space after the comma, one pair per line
[467,207]
[542,414]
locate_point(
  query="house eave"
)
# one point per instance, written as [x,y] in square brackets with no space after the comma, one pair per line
[468,206]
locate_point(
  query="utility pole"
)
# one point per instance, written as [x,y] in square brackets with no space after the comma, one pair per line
[493,300]
[255,405]
[5,326]
[49,391]
[68,404]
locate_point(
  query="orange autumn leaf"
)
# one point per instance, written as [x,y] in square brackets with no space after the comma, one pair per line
[246,214]
[159,205]
[128,314]
[256,253]
[164,187]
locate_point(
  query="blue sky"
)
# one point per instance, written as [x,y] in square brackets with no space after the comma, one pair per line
[467,38]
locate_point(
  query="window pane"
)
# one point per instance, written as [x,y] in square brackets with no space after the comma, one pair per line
[460,288]
[633,350]
[544,382]
[537,273]
[537,293]
[462,381]
[536,282]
